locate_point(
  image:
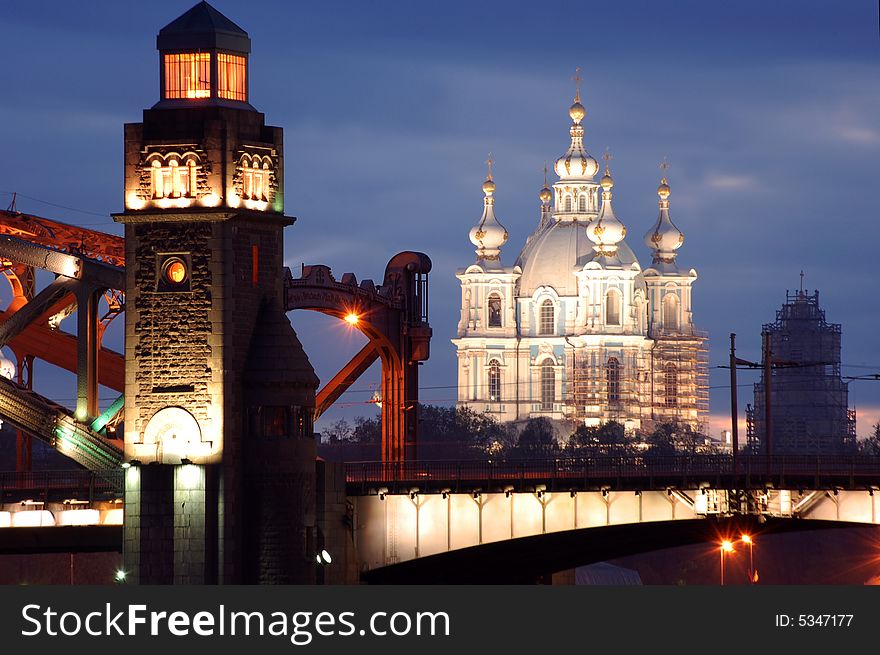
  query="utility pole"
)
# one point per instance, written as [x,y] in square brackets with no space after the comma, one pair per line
[734,433]
[768,383]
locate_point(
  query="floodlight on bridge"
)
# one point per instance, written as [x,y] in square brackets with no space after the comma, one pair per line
[352,319]
[382,493]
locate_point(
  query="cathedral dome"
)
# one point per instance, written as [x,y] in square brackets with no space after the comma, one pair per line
[664,238]
[576,163]
[553,254]
[489,234]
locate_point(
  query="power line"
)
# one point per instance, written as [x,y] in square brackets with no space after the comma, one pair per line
[53,204]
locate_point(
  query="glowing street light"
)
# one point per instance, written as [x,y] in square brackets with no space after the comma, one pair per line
[120,576]
[726,547]
[746,539]
[352,319]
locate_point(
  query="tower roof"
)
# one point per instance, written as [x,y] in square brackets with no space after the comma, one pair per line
[203,28]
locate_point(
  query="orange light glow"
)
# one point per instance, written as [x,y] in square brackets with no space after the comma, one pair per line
[727,546]
[188,75]
[746,539]
[175,272]
[352,319]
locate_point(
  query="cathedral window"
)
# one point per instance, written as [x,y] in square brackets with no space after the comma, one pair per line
[547,323]
[548,386]
[494,381]
[582,203]
[670,385]
[568,202]
[612,379]
[231,77]
[188,75]
[612,307]
[494,306]
[670,311]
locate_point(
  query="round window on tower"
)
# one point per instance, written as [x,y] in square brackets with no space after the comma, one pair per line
[174,272]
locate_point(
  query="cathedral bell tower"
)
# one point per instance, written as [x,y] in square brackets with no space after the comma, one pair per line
[219,394]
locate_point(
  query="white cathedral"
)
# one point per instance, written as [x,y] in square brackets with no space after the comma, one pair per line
[576,330]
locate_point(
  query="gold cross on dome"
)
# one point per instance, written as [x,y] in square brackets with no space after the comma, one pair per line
[577,84]
[664,167]
[607,157]
[490,162]
[545,174]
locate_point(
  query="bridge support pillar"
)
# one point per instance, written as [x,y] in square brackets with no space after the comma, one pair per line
[87,354]
[171,524]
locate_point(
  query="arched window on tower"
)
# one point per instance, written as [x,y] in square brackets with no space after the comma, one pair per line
[547,324]
[548,386]
[612,379]
[568,202]
[670,311]
[494,381]
[173,177]
[247,179]
[191,173]
[670,385]
[612,307]
[158,179]
[494,308]
[582,203]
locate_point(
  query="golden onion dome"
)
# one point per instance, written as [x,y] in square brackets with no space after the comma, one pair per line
[663,190]
[488,186]
[545,195]
[577,112]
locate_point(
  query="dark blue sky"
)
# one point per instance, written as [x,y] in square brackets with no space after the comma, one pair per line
[769,114]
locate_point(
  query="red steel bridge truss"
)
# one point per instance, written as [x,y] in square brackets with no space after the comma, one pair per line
[89,267]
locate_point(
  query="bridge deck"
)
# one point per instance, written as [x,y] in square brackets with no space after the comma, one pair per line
[615,473]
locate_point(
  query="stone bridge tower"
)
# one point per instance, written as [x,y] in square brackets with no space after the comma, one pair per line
[219,395]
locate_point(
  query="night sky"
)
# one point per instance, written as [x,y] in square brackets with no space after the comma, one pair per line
[769,113]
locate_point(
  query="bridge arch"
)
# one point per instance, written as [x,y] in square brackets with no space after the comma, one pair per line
[394,318]
[527,560]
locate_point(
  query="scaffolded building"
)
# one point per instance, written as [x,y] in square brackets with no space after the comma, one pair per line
[809,411]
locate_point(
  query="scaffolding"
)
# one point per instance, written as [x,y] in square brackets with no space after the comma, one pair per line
[685,354]
[809,400]
[641,386]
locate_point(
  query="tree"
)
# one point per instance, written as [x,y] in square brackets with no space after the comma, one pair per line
[662,440]
[606,439]
[337,432]
[871,445]
[367,430]
[538,434]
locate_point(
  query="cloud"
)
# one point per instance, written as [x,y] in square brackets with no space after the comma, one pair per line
[858,134]
[731,182]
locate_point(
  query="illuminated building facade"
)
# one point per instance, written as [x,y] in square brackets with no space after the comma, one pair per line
[219,393]
[576,330]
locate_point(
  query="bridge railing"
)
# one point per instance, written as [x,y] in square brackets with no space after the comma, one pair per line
[496,473]
[54,485]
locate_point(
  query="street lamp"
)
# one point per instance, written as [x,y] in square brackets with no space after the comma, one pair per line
[726,547]
[746,539]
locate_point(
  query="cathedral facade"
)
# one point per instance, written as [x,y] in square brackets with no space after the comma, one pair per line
[576,330]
